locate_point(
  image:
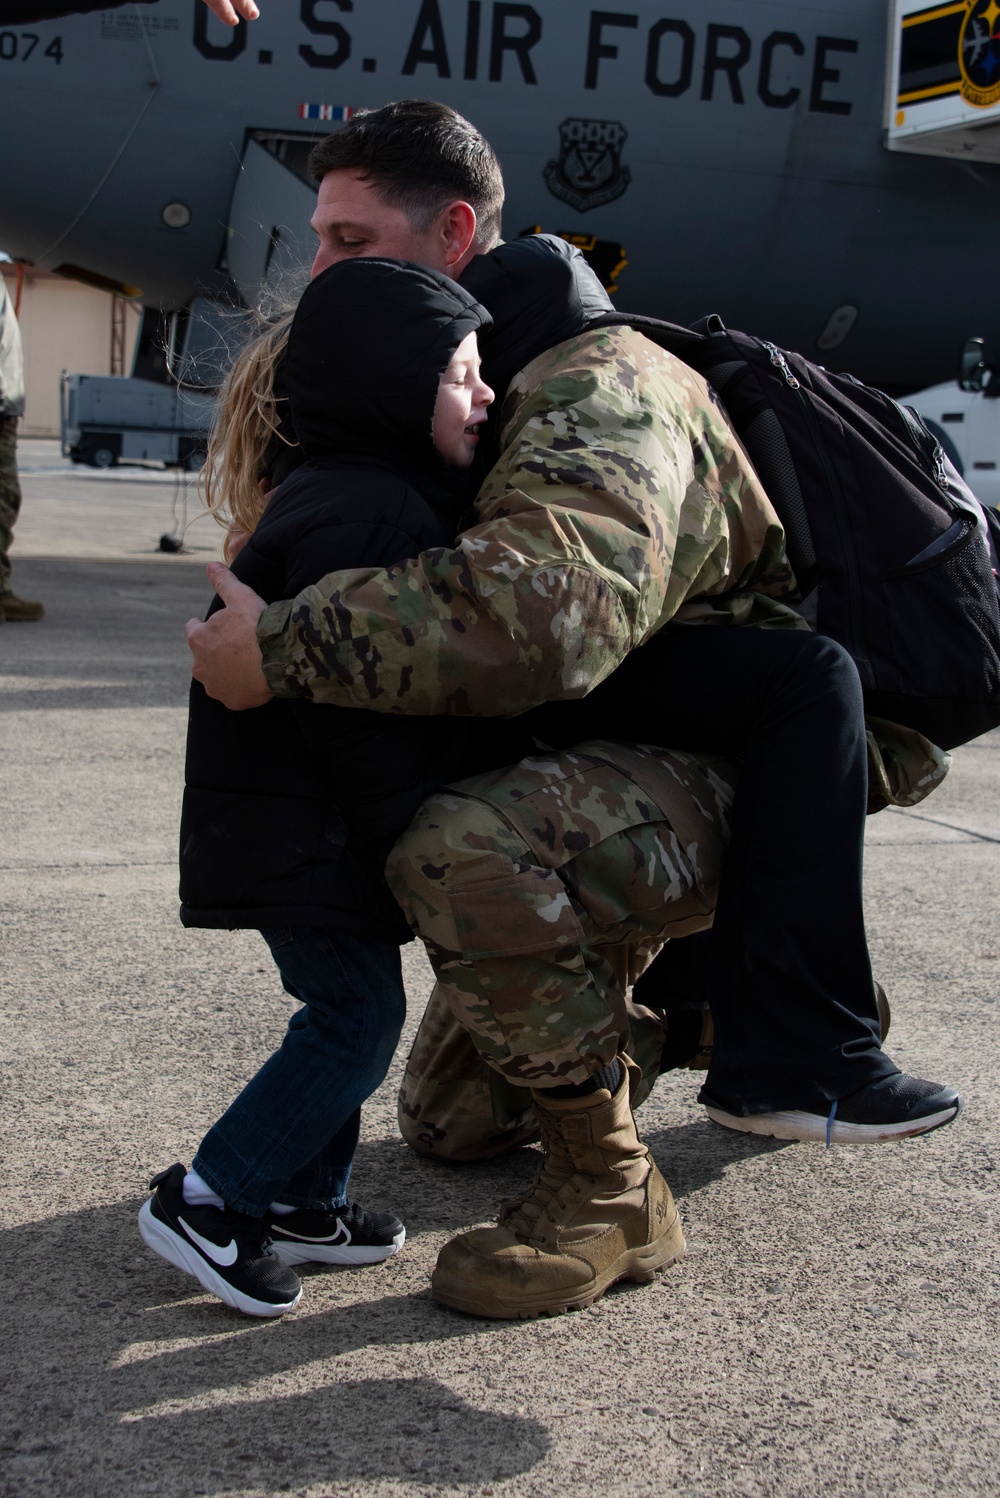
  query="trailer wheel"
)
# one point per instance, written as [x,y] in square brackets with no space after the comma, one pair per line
[195,460]
[102,457]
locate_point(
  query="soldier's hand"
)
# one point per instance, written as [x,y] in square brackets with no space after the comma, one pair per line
[226,654]
[231,13]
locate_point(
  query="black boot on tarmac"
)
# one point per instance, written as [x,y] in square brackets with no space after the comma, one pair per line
[346,1235]
[228,1253]
[897,1107]
[16,610]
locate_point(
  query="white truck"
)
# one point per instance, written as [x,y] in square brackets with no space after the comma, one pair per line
[964,416]
[109,419]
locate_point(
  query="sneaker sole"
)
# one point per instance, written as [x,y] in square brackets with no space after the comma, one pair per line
[294,1251]
[640,1265]
[811,1127]
[169,1245]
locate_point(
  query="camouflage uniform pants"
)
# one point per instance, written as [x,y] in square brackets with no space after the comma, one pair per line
[10,495]
[455,1107]
[541,893]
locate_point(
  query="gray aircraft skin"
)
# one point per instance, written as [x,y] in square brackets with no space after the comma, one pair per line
[735,150]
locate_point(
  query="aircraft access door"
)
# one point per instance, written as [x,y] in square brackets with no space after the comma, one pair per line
[269,242]
[943,93]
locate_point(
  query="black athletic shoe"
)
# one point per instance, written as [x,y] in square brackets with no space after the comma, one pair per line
[347,1235]
[226,1252]
[896,1107]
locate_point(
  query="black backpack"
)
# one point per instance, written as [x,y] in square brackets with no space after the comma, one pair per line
[895,556]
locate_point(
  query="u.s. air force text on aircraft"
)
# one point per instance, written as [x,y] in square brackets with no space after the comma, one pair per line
[492,41]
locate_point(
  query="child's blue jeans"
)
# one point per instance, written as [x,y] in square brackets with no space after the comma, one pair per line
[291,1134]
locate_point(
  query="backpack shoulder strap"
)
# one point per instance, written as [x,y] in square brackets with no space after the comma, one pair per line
[669,335]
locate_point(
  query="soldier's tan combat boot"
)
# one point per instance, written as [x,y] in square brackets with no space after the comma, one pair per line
[599,1211]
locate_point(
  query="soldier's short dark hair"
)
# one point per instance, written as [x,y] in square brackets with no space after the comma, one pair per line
[420,156]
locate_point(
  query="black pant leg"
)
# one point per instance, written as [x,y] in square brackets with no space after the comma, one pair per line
[789,975]
[677,978]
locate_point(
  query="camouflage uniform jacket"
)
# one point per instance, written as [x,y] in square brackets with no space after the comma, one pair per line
[620,494]
[622,499]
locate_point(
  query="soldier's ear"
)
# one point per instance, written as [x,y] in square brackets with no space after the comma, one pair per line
[456,227]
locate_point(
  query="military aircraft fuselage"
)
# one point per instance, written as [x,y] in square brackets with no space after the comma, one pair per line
[735,151]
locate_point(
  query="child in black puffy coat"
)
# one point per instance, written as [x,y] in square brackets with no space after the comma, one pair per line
[290,809]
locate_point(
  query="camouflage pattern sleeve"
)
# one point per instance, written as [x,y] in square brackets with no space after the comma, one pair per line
[489,628]
[619,494]
[903,766]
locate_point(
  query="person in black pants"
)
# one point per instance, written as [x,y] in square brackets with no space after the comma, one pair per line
[786,969]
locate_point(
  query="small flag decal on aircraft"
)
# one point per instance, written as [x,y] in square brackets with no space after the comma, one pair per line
[325,111]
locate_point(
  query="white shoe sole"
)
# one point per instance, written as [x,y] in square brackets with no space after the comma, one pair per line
[812,1127]
[294,1251]
[163,1241]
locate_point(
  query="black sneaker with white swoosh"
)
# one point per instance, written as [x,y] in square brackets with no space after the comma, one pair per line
[345,1235]
[227,1252]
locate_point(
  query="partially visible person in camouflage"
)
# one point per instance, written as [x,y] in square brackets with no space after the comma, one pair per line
[12,608]
[620,537]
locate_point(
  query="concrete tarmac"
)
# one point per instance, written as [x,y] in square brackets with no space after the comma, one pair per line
[832,1330]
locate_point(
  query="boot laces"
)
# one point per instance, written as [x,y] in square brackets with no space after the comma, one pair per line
[557,1177]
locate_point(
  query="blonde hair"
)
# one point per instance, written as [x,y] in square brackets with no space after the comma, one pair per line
[247,424]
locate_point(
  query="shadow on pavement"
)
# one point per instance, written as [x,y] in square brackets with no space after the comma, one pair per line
[692,1155]
[435,1195]
[108,1371]
[408,1428]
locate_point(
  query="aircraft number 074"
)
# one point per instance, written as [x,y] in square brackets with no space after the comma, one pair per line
[18,46]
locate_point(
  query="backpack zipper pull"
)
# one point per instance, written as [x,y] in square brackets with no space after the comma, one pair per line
[781,363]
[940,472]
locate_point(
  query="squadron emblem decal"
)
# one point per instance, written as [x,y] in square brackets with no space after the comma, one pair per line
[589,171]
[979,53]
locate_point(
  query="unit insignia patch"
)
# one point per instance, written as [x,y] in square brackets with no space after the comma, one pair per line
[979,53]
[588,172]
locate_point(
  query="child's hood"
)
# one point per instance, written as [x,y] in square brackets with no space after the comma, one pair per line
[367,348]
